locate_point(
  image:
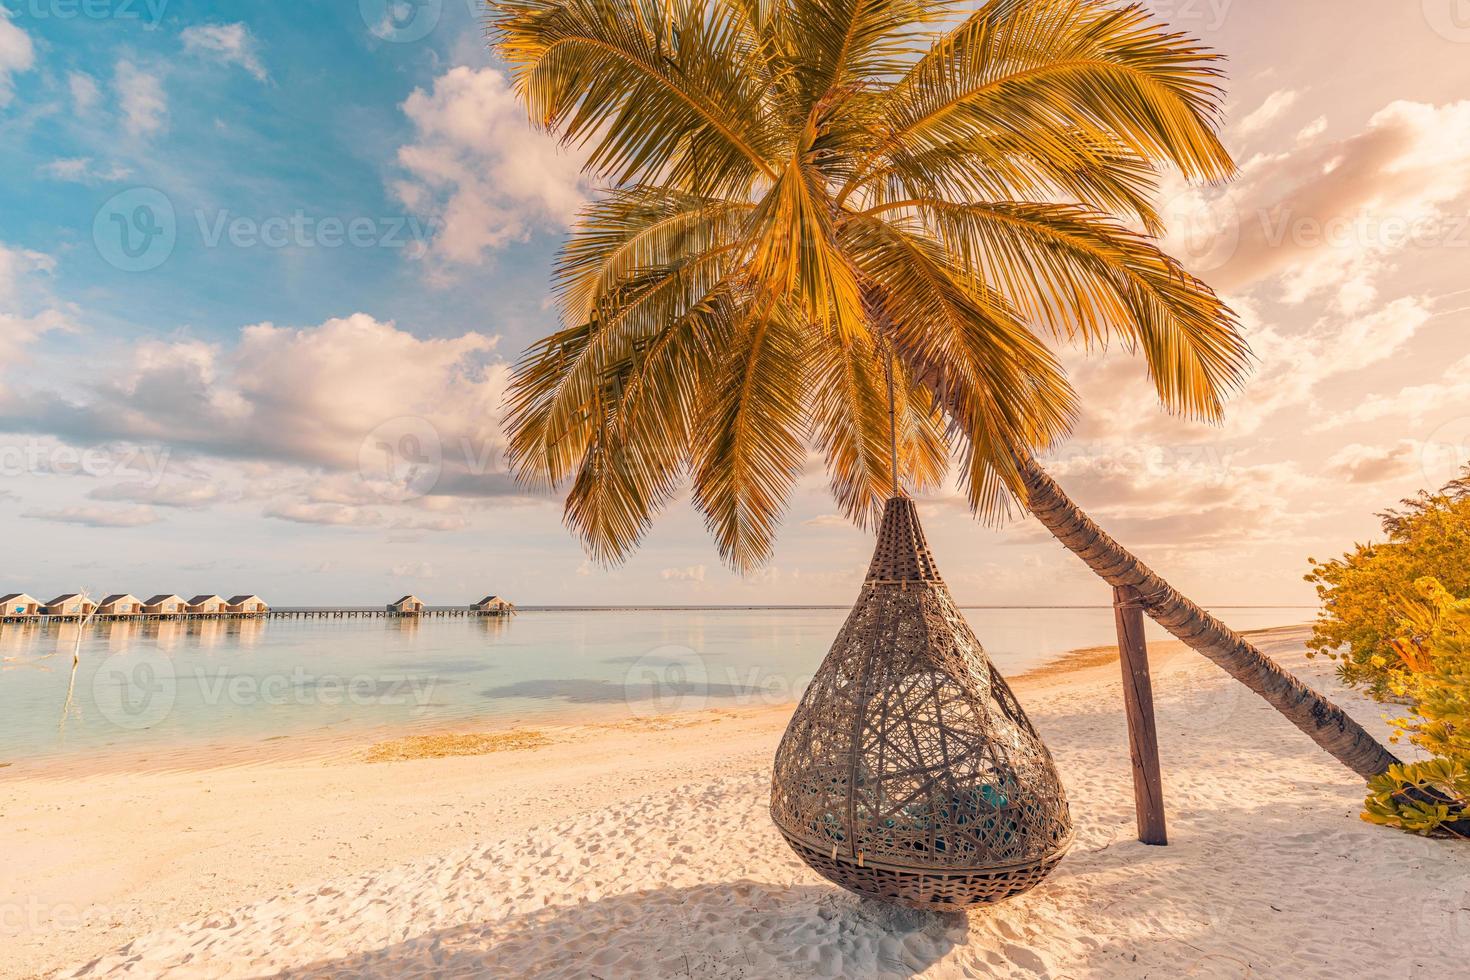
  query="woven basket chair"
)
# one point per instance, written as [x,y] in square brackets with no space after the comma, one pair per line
[909,772]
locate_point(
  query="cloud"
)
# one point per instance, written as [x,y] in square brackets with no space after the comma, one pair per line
[17,265]
[332,515]
[140,95]
[453,522]
[413,569]
[1275,106]
[84,92]
[321,509]
[1412,403]
[317,396]
[226,43]
[1291,365]
[96,516]
[827,520]
[79,170]
[190,496]
[17,54]
[1358,463]
[1312,130]
[1321,219]
[1174,496]
[23,275]
[693,573]
[479,169]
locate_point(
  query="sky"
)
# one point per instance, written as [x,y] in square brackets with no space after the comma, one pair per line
[264,269]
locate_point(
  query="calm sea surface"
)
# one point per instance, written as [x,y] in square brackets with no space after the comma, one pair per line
[162,687]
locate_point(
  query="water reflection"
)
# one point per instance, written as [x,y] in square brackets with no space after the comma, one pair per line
[156,683]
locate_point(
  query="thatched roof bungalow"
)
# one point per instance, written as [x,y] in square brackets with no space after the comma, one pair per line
[70,604]
[165,605]
[121,604]
[409,605]
[247,605]
[493,605]
[18,605]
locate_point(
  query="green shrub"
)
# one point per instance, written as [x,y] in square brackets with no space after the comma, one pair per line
[1362,592]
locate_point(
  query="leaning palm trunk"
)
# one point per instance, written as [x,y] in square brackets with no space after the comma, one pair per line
[1327,724]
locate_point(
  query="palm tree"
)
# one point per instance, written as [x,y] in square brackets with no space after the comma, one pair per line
[811,197]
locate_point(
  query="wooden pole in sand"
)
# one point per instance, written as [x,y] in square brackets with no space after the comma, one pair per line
[1138,696]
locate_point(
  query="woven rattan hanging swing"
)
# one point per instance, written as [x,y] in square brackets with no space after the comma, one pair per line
[909,772]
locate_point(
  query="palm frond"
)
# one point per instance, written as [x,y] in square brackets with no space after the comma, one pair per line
[1088,168]
[850,425]
[1047,64]
[748,448]
[795,257]
[638,457]
[631,231]
[662,90]
[1001,386]
[555,399]
[1085,274]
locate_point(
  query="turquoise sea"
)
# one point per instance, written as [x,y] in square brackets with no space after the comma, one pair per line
[176,687]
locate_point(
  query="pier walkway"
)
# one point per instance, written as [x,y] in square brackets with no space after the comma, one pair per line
[283,612]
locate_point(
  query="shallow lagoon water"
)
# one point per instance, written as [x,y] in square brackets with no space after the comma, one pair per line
[162,687]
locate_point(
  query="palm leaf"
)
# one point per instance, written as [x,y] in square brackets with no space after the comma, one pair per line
[748,449]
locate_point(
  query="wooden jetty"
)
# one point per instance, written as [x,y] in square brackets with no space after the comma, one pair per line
[22,608]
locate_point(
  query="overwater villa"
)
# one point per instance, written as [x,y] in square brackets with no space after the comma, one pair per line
[247,605]
[18,605]
[409,605]
[165,605]
[206,605]
[121,604]
[70,605]
[493,605]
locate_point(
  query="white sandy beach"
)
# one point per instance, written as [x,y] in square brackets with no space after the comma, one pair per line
[645,851]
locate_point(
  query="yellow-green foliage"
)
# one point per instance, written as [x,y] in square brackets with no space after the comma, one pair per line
[1390,803]
[1362,593]
[1435,678]
[1432,674]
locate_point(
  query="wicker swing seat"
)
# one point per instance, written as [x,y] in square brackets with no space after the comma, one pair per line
[909,772]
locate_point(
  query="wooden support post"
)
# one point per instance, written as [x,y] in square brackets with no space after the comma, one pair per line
[1138,697]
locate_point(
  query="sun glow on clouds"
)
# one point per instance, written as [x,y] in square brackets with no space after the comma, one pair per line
[301,402]
[478,168]
[1333,245]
